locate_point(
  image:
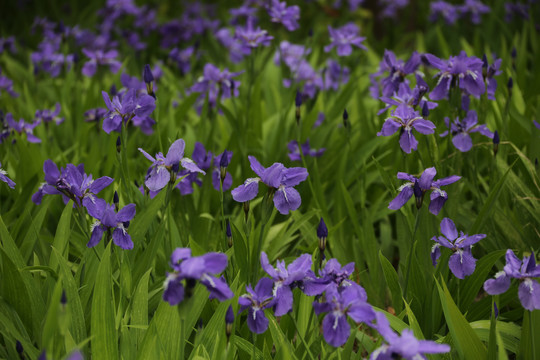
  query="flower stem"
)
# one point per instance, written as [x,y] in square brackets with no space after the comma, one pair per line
[533,350]
[409,261]
[301,337]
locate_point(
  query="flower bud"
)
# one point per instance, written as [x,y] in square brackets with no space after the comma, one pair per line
[149,79]
[346,123]
[223,164]
[228,232]
[322,234]
[229,321]
[298,103]
[118,144]
[63,299]
[425,110]
[246,210]
[510,85]
[20,349]
[496,141]
[418,194]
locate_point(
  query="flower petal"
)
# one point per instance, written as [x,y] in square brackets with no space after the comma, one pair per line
[122,239]
[448,229]
[498,285]
[336,329]
[175,153]
[402,198]
[127,213]
[247,191]
[462,142]
[462,263]
[287,199]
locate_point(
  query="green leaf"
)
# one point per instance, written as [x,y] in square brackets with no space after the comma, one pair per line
[139,309]
[392,280]
[62,235]
[466,341]
[104,338]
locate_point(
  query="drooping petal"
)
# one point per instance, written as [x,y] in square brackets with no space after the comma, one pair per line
[287,199]
[462,263]
[441,90]
[190,165]
[257,321]
[336,329]
[435,252]
[112,123]
[283,300]
[438,198]
[425,127]
[529,294]
[402,198]
[294,176]
[448,229]
[431,347]
[100,184]
[217,287]
[390,126]
[462,142]
[361,312]
[247,191]
[122,239]
[158,178]
[498,285]
[446,181]
[174,290]
[408,142]
[147,155]
[95,238]
[470,240]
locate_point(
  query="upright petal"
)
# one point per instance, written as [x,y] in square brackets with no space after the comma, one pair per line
[272,175]
[287,199]
[175,153]
[361,312]
[190,165]
[448,229]
[426,179]
[51,172]
[256,166]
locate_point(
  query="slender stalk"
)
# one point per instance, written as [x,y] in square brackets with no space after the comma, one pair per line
[223,226]
[533,350]
[254,345]
[409,262]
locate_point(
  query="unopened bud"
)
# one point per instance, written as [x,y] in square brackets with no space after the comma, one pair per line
[425,110]
[63,299]
[346,123]
[496,141]
[148,78]
[495,310]
[322,234]
[116,200]
[228,232]
[20,349]
[510,85]
[298,103]
[418,194]
[246,210]
[229,321]
[118,144]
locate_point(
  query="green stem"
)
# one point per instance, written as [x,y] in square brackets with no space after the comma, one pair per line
[254,345]
[409,261]
[533,350]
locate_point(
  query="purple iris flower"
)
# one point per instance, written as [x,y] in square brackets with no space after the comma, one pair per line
[6,84]
[412,98]
[335,75]
[306,149]
[406,118]
[343,38]
[444,10]
[438,196]
[192,269]
[126,107]
[217,84]
[244,11]
[48,116]
[280,179]
[107,219]
[333,274]
[406,346]
[255,301]
[397,71]
[232,44]
[4,178]
[252,38]
[49,59]
[511,9]
[100,58]
[467,71]
[339,304]
[461,262]
[475,8]
[285,279]
[291,54]
[8,44]
[525,271]
[391,7]
[183,58]
[308,77]
[22,127]
[164,168]
[460,130]
[203,160]
[287,15]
